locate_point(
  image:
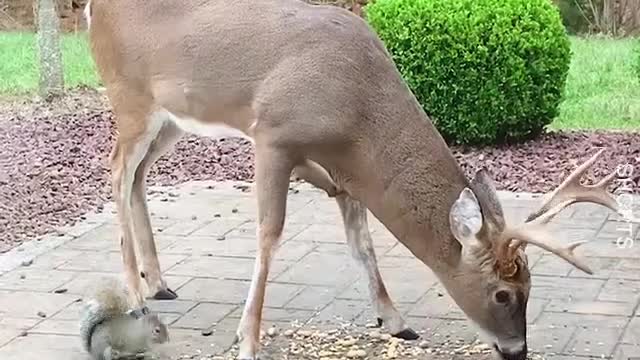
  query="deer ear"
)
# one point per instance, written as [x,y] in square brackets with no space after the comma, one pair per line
[485,190]
[465,219]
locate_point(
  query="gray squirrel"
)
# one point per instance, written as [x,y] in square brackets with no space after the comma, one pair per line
[110,330]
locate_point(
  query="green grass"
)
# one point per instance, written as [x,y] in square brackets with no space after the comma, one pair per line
[602,91]
[18,59]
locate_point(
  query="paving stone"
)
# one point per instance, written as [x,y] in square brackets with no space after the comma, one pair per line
[110,262]
[317,213]
[54,258]
[577,334]
[219,226]
[335,234]
[632,333]
[610,248]
[589,212]
[546,287]
[535,308]
[190,341]
[59,327]
[28,279]
[248,230]
[341,311]
[31,251]
[178,306]
[599,343]
[551,265]
[322,269]
[186,227]
[6,335]
[235,247]
[204,315]
[627,269]
[404,284]
[28,304]
[620,290]
[437,304]
[222,267]
[43,346]
[399,250]
[627,352]
[614,230]
[15,322]
[601,266]
[591,307]
[278,315]
[70,312]
[455,331]
[313,298]
[549,338]
[235,292]
[425,326]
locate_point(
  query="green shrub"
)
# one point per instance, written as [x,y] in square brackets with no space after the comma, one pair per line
[637,58]
[487,71]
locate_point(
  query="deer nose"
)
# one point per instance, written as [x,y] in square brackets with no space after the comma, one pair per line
[513,354]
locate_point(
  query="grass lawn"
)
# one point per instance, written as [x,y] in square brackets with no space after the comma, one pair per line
[18,59]
[602,91]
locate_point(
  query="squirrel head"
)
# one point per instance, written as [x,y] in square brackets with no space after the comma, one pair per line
[159,330]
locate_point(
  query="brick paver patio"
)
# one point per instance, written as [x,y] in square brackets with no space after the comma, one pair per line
[206,237]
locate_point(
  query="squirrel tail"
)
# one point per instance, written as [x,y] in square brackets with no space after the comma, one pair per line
[108,301]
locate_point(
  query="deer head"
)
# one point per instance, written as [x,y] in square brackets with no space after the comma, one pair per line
[492,281]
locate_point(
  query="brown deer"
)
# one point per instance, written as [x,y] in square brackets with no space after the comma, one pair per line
[318,94]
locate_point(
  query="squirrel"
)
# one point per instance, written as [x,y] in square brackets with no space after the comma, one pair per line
[110,330]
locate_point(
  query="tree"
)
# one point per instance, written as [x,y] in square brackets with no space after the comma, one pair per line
[49,53]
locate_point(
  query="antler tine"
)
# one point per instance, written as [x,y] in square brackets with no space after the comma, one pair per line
[572,191]
[534,234]
[569,192]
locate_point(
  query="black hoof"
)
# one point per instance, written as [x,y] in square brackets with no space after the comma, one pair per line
[165,294]
[407,334]
[380,322]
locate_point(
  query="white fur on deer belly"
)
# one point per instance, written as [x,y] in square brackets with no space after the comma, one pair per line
[201,128]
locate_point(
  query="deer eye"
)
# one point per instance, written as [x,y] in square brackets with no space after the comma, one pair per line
[502,297]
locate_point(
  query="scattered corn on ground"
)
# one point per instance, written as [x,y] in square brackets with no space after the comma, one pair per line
[349,342]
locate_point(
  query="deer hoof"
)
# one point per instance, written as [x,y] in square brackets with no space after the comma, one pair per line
[407,334]
[165,294]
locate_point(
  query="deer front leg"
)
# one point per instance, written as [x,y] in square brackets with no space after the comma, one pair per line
[124,161]
[167,137]
[354,215]
[273,170]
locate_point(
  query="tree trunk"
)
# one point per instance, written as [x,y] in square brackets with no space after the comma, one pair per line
[50,56]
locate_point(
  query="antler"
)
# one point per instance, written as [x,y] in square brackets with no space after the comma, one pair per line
[572,191]
[569,192]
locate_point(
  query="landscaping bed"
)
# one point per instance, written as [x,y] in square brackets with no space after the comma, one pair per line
[54,162]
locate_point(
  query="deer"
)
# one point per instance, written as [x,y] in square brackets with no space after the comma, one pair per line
[318,94]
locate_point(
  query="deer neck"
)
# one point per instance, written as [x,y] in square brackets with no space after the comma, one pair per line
[419,179]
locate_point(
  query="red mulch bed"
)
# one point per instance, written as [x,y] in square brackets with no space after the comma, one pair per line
[54,169]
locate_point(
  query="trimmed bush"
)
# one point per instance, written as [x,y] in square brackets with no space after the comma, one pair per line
[637,58]
[486,71]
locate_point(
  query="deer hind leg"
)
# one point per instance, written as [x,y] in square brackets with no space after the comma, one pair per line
[317,176]
[354,216]
[165,140]
[273,170]
[130,149]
